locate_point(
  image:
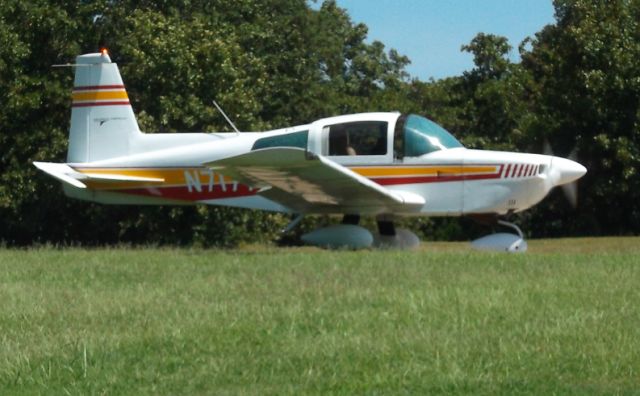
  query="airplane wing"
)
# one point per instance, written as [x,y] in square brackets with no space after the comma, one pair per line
[308,183]
[67,174]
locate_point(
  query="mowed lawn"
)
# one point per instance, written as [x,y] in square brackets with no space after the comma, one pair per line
[563,318]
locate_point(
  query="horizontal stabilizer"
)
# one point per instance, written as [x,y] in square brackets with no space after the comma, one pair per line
[62,172]
[67,174]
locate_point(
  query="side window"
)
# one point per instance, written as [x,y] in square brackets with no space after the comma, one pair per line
[296,139]
[358,138]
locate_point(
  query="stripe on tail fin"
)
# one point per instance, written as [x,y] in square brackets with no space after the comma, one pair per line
[96,95]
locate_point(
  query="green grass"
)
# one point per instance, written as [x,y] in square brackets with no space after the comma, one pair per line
[563,318]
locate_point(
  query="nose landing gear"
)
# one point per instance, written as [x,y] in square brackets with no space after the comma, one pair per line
[502,241]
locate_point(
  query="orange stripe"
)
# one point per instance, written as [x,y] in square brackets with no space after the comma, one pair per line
[100,95]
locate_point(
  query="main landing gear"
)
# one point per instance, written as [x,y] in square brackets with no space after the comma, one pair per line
[350,235]
[389,236]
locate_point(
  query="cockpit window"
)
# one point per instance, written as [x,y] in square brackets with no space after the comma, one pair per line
[422,136]
[358,138]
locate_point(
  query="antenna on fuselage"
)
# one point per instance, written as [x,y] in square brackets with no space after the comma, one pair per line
[225,117]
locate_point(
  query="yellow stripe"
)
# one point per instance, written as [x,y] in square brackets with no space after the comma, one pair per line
[100,95]
[172,177]
[421,171]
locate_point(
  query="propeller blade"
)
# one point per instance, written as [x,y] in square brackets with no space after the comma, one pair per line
[570,191]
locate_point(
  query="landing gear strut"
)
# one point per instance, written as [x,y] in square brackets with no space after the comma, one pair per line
[513,226]
[292,224]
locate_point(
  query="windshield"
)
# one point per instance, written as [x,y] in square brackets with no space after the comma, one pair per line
[422,136]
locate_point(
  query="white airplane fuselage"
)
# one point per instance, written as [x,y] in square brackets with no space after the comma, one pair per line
[454,182]
[394,164]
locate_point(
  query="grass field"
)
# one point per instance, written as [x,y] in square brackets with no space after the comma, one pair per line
[561,319]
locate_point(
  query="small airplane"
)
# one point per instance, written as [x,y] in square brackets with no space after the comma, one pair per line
[386,165]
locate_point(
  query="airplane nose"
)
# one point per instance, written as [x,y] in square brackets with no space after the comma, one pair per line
[566,171]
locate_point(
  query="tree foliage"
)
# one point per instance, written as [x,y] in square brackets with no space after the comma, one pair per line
[281,62]
[585,96]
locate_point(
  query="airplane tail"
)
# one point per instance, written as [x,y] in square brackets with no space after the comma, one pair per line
[102,121]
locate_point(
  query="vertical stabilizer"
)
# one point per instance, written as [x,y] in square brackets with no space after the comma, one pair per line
[102,120]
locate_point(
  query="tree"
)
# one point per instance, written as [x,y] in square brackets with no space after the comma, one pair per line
[489,55]
[586,96]
[495,91]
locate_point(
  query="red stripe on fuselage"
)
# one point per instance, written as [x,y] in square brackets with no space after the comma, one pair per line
[431,179]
